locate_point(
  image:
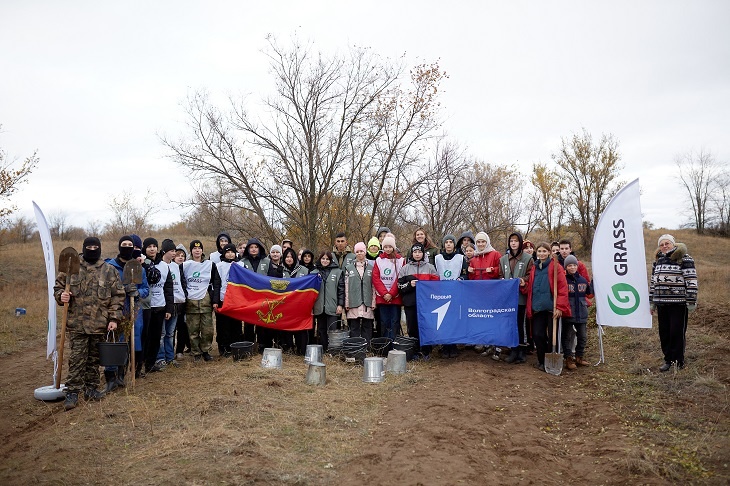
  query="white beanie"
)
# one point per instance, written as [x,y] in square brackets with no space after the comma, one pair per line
[275,248]
[667,237]
[389,240]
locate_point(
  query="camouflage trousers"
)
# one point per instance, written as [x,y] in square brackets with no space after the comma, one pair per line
[200,328]
[83,362]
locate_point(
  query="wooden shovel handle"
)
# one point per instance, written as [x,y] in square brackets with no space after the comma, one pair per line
[64,318]
[555,296]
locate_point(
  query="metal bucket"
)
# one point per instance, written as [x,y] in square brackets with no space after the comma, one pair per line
[396,362]
[271,358]
[372,370]
[316,374]
[313,354]
[241,350]
[336,338]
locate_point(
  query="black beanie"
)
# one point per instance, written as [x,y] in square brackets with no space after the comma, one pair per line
[149,242]
[196,244]
[167,245]
[125,238]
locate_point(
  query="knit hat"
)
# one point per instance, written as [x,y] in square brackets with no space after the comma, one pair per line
[360,246]
[482,236]
[449,237]
[149,242]
[417,247]
[127,238]
[167,245]
[527,244]
[374,241]
[136,241]
[570,260]
[275,248]
[389,240]
[196,244]
[229,247]
[667,237]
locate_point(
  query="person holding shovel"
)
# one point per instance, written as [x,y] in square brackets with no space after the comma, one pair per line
[95,301]
[547,298]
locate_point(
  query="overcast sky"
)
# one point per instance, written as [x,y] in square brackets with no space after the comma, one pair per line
[92,84]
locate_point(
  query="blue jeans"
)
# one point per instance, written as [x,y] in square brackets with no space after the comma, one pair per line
[167,340]
[389,319]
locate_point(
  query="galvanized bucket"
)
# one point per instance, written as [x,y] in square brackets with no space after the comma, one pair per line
[372,370]
[313,354]
[396,362]
[316,374]
[271,358]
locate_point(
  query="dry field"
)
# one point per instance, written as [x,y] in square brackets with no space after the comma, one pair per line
[464,421]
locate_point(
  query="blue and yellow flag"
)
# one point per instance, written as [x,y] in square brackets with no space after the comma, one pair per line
[277,303]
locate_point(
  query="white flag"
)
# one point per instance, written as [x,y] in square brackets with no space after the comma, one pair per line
[619,263]
[47,243]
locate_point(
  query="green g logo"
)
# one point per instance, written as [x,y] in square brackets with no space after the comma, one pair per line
[196,274]
[624,299]
[173,275]
[387,271]
[447,274]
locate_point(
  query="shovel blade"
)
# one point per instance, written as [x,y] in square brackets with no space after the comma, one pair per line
[68,261]
[554,363]
[132,273]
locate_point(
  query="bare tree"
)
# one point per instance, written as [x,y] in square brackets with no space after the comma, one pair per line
[547,200]
[592,171]
[721,200]
[340,129]
[12,176]
[698,174]
[131,213]
[58,224]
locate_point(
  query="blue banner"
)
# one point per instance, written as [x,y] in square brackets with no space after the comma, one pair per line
[468,312]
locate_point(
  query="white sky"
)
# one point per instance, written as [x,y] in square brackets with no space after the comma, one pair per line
[91,84]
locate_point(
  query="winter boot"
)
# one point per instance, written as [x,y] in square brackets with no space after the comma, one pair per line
[581,362]
[512,356]
[570,363]
[72,399]
[520,355]
[111,381]
[120,376]
[92,394]
[138,364]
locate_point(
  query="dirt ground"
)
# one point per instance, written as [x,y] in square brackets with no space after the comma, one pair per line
[468,420]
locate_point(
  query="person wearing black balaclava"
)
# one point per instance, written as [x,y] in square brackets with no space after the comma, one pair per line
[114,375]
[95,302]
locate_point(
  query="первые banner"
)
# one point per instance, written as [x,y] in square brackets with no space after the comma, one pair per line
[468,312]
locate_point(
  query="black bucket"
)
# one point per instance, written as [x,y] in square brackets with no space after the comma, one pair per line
[242,350]
[380,346]
[354,354]
[112,353]
[407,344]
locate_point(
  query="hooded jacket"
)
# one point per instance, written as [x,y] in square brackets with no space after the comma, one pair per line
[260,264]
[673,278]
[332,291]
[562,303]
[309,266]
[295,270]
[515,265]
[465,234]
[482,261]
[578,289]
[217,256]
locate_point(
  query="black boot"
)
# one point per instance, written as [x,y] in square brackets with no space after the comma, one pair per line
[138,364]
[120,376]
[72,399]
[111,381]
[512,356]
[92,394]
[520,355]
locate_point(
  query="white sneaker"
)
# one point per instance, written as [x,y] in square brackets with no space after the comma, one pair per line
[179,356]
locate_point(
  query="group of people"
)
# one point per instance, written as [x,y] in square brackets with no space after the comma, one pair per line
[368,287]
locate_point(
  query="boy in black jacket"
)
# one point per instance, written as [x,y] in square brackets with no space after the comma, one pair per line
[578,288]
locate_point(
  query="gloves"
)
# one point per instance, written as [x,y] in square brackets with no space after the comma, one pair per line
[691,308]
[131,290]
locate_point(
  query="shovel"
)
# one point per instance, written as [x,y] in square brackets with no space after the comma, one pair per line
[132,274]
[68,263]
[554,360]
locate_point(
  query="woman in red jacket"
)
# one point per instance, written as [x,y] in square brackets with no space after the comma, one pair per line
[484,265]
[385,282]
[541,308]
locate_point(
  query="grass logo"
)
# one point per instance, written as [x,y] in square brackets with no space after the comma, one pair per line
[387,271]
[625,299]
[196,274]
[447,274]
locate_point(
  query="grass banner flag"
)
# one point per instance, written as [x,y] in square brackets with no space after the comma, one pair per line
[277,303]
[619,263]
[468,312]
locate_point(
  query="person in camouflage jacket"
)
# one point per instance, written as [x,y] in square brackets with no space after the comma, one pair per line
[95,303]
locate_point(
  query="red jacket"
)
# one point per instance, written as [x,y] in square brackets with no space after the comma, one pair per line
[481,262]
[385,278]
[563,302]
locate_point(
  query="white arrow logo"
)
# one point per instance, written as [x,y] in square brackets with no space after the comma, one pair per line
[441,313]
